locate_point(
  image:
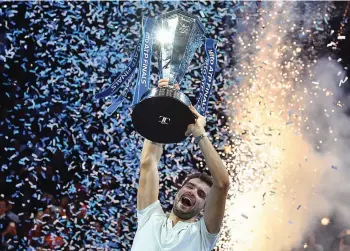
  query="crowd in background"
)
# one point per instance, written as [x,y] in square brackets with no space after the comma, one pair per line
[332,236]
[49,227]
[56,221]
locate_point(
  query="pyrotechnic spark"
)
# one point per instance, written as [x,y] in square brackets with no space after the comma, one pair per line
[267,152]
[325,221]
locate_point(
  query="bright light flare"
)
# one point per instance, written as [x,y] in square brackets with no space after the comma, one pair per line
[325,221]
[165,35]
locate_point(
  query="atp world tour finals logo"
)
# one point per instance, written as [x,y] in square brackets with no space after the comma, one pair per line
[164,120]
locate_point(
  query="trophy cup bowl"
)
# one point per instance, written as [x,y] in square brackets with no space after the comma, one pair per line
[163,114]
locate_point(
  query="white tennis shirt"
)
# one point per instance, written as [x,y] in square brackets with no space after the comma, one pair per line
[155,232]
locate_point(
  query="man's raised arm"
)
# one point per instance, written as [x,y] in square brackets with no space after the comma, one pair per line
[215,206]
[149,178]
[216,200]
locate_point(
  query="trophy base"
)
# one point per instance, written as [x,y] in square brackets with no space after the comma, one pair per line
[163,115]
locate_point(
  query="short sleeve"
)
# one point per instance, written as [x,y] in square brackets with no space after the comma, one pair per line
[144,214]
[208,239]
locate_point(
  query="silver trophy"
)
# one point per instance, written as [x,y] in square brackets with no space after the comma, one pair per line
[163,114]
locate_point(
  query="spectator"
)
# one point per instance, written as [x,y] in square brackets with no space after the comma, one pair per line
[54,241]
[35,234]
[345,243]
[311,244]
[12,216]
[342,243]
[4,220]
[64,207]
[7,227]
[98,225]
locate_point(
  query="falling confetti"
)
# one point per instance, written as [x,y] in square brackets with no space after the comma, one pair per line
[58,144]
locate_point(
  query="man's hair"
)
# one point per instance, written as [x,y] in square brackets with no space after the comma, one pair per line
[202,176]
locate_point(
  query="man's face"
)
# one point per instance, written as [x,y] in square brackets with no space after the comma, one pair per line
[190,199]
[3,207]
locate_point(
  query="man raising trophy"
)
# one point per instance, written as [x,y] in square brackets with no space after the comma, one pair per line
[165,115]
[179,230]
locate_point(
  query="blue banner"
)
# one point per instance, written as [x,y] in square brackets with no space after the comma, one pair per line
[122,77]
[116,102]
[208,72]
[143,77]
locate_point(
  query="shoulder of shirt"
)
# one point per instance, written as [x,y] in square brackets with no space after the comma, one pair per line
[153,205]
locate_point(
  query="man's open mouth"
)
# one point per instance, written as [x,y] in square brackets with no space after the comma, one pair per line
[186,201]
